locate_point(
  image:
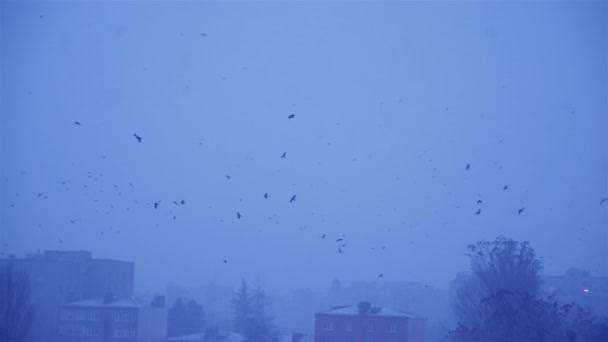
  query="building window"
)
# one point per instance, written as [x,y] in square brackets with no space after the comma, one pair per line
[328,325]
[90,331]
[125,316]
[93,315]
[73,315]
[370,327]
[71,330]
[124,333]
[349,327]
[393,328]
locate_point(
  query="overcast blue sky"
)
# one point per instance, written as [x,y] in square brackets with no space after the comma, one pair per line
[391,100]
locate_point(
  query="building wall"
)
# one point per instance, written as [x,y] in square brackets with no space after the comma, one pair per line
[152,325]
[58,277]
[337,328]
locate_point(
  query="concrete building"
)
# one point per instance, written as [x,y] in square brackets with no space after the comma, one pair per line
[210,335]
[58,277]
[366,323]
[108,319]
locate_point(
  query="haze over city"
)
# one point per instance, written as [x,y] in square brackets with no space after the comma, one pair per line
[415,130]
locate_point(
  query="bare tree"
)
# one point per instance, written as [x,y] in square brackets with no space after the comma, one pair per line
[16,312]
[502,264]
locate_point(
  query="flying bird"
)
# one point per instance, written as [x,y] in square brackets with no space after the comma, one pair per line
[284,155]
[520,211]
[238,215]
[603,200]
[291,116]
[77,123]
[340,250]
[293,199]
[380,275]
[468,166]
[478,212]
[323,236]
[340,239]
[174,202]
[505,187]
[227,177]
[203,34]
[225,261]
[156,204]
[182,202]
[137,137]
[266,195]
[479,201]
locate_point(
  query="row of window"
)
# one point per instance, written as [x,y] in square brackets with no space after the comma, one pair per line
[329,325]
[93,315]
[74,330]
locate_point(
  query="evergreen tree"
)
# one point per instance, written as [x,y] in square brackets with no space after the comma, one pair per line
[241,305]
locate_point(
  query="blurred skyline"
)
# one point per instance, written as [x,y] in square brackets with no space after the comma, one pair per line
[392,101]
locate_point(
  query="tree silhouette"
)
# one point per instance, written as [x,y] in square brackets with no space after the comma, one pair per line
[16,312]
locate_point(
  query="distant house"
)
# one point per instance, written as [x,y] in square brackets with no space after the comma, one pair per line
[109,319]
[210,335]
[367,323]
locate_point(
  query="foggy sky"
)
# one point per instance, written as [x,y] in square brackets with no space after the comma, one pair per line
[392,101]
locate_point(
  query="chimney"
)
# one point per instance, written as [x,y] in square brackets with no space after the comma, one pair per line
[108,298]
[158,302]
[364,307]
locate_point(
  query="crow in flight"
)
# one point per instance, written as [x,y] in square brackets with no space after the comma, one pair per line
[266,195]
[293,199]
[505,187]
[520,211]
[468,166]
[291,116]
[156,204]
[603,200]
[323,236]
[77,123]
[479,201]
[478,212]
[284,155]
[137,137]
[238,215]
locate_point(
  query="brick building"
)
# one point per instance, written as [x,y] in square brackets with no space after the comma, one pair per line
[366,323]
[58,277]
[109,320]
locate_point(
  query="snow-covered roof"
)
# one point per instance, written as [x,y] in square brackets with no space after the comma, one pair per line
[118,303]
[353,310]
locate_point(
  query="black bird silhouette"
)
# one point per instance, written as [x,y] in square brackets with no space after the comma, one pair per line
[323,236]
[479,201]
[156,204]
[340,250]
[293,199]
[137,137]
[505,187]
[468,166]
[603,200]
[203,34]
[227,177]
[266,195]
[284,155]
[182,202]
[40,194]
[520,211]
[478,212]
[60,241]
[225,261]
[380,275]
[77,123]
[292,116]
[340,239]
[238,215]
[174,202]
